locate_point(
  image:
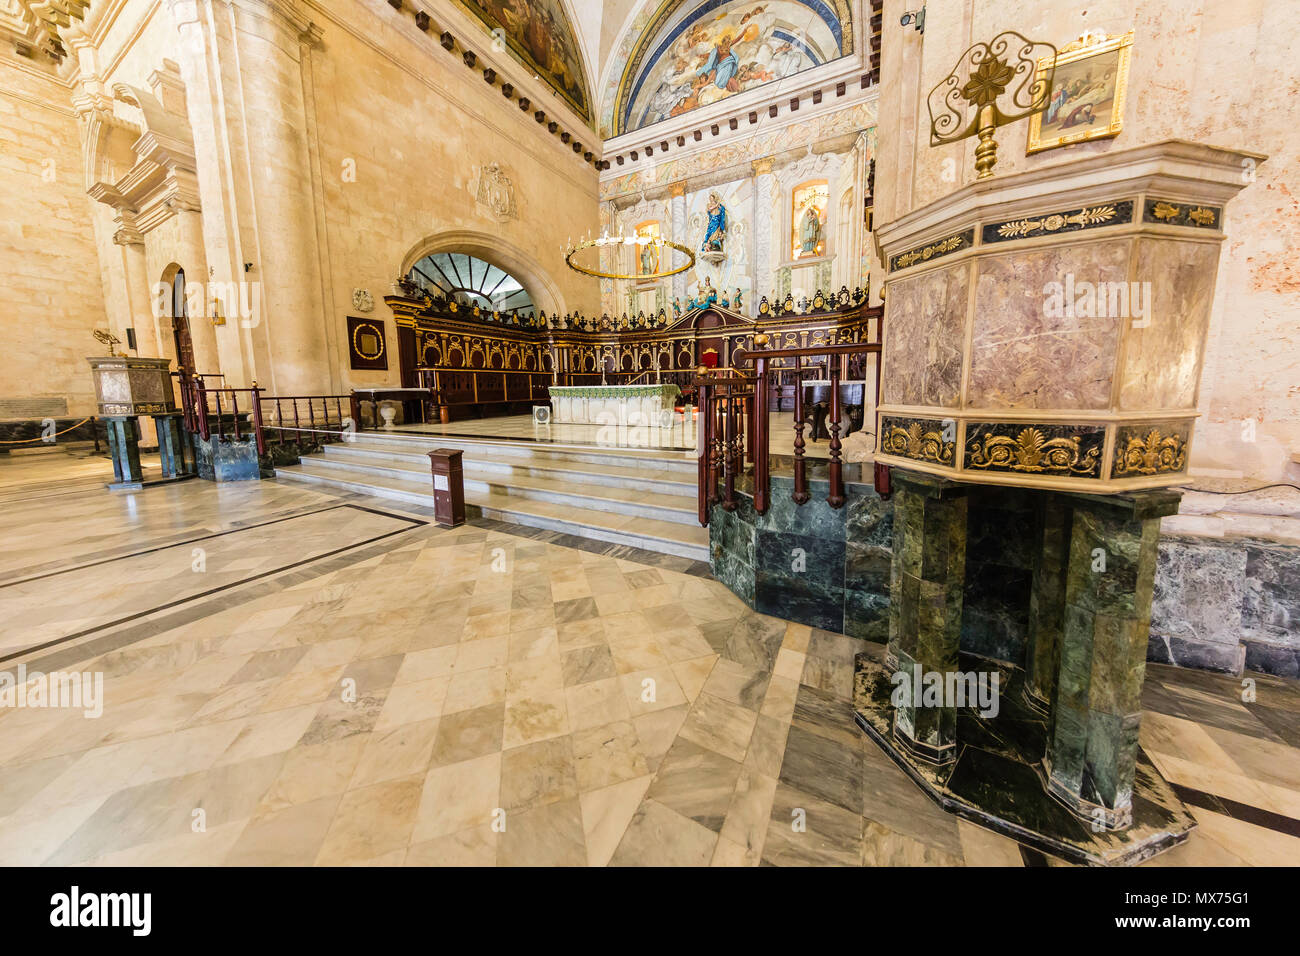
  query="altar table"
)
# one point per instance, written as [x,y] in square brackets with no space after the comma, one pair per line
[614,404]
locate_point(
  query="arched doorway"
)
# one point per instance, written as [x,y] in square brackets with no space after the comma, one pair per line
[181,325]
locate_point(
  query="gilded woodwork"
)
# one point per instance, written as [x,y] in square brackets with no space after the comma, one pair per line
[1033,452]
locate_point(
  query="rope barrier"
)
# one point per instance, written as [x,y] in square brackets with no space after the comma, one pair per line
[24,441]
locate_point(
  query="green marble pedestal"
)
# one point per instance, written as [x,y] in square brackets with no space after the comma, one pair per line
[926,581]
[1047,600]
[1107,619]
[1050,757]
[174,452]
[998,782]
[124,447]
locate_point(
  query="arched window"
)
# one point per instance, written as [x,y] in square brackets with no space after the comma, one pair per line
[470,281]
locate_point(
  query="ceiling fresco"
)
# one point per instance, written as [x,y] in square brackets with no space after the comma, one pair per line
[539,34]
[692,54]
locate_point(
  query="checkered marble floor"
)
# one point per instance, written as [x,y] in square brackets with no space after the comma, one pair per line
[500,695]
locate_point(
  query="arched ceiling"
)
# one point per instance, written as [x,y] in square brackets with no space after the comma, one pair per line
[678,55]
[540,34]
[625,64]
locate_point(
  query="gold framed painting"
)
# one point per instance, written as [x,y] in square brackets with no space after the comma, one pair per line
[1088,91]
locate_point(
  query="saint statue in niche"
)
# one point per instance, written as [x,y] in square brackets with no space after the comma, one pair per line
[810,232]
[808,220]
[715,232]
[649,260]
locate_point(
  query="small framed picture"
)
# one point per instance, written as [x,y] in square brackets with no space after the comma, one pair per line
[366,344]
[1087,97]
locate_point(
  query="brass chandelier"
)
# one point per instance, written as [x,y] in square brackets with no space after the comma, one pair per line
[605,241]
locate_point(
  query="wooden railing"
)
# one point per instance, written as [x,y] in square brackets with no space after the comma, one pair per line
[319,417]
[215,413]
[730,432]
[238,414]
[721,421]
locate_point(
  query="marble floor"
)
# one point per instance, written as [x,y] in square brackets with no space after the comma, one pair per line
[362,687]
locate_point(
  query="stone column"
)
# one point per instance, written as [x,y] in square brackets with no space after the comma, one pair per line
[1092,742]
[242,62]
[1046,600]
[764,190]
[144,316]
[925,595]
[677,204]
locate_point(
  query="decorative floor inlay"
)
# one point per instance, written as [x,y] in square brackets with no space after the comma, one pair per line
[501,716]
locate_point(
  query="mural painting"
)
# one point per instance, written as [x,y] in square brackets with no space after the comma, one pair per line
[539,34]
[714,51]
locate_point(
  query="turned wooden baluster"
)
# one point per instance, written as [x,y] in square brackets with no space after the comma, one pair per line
[836,496]
[258,434]
[760,429]
[729,451]
[720,439]
[749,428]
[800,463]
[703,408]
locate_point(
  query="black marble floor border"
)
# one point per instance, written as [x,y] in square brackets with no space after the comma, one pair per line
[414,523]
[1268,819]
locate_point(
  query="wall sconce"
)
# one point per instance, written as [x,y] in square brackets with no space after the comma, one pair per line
[917,19]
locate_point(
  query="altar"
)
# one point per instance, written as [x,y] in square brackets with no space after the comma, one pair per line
[649,405]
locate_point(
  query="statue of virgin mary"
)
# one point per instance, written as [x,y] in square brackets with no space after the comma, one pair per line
[716,230]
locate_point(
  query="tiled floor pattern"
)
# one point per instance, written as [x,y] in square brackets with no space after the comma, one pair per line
[481,697]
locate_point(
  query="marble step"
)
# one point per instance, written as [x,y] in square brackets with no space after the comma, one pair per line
[644,476]
[665,537]
[666,459]
[638,503]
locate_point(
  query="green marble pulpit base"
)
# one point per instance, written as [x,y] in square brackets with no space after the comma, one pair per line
[1096,703]
[926,581]
[997,779]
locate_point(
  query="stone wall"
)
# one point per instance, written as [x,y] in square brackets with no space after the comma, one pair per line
[53,298]
[810,563]
[1225,604]
[1202,70]
[332,144]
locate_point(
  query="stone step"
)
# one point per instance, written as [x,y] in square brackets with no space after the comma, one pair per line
[662,459]
[638,503]
[646,475]
[666,537]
